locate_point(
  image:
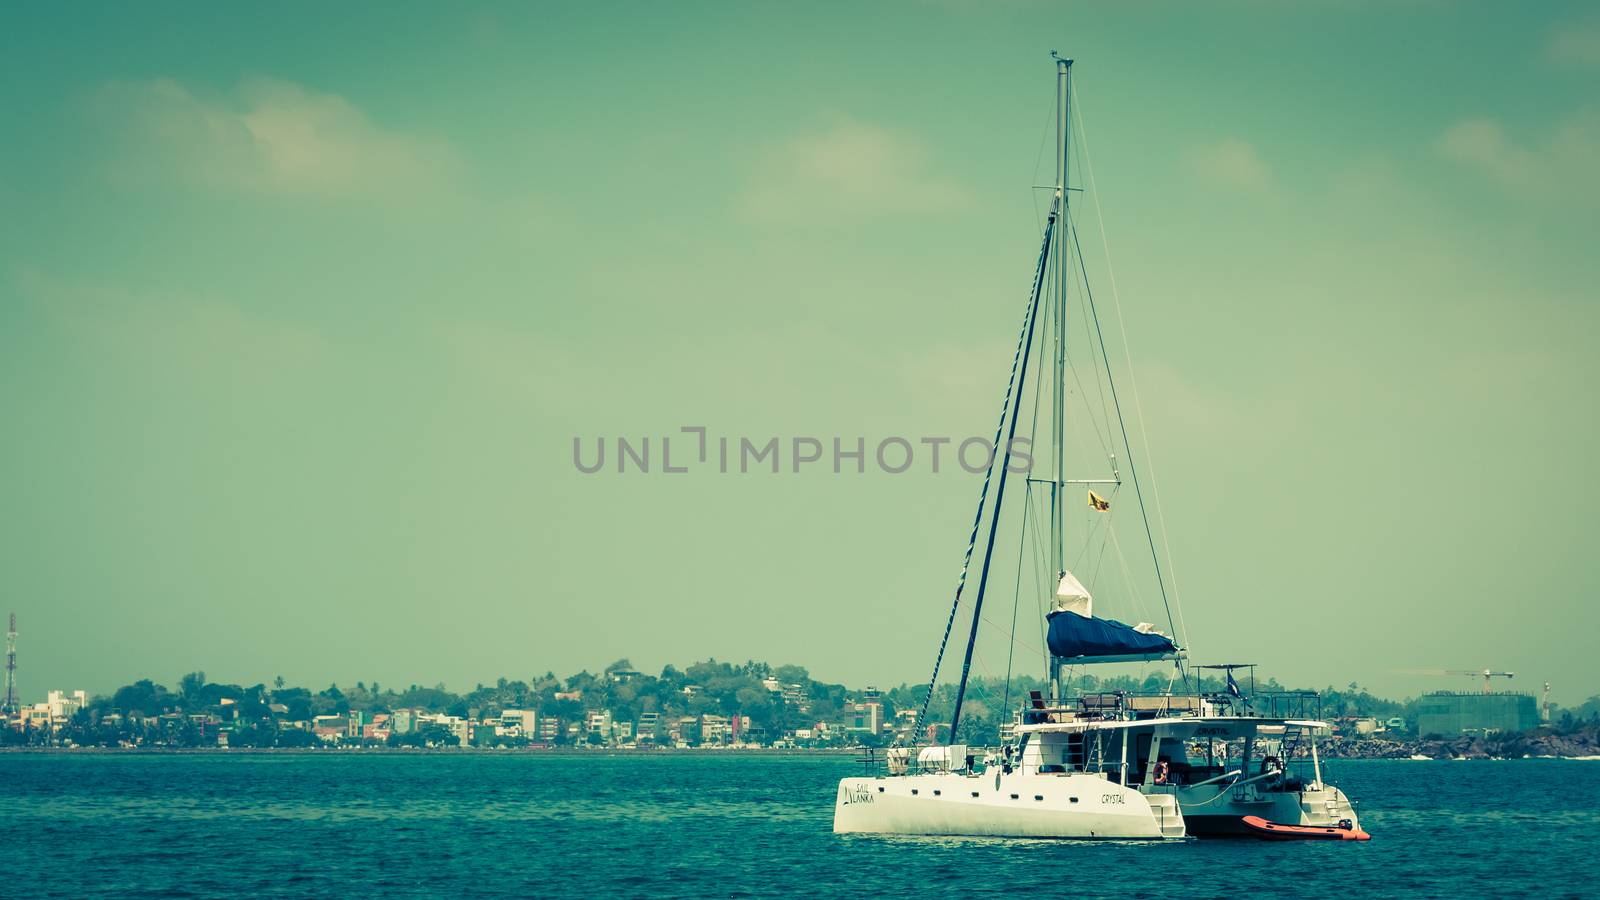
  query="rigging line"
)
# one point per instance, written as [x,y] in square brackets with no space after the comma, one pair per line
[1037,544]
[1082,393]
[1084,396]
[1013,383]
[1127,578]
[1044,135]
[1038,589]
[996,625]
[1100,560]
[1038,385]
[1091,529]
[1116,300]
[1133,471]
[1016,596]
[1099,380]
[1000,487]
[987,672]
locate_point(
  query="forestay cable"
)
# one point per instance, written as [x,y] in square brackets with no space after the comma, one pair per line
[996,458]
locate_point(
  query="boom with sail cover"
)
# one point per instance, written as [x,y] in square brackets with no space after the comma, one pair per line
[1076,635]
[1075,638]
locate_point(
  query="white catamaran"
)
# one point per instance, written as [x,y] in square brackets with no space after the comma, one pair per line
[1094,764]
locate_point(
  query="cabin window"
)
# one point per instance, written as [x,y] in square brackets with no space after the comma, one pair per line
[974,793]
[1073,799]
[880,789]
[1013,796]
[936,793]
[913,792]
[1038,796]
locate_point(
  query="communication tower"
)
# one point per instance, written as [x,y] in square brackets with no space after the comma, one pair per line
[11,705]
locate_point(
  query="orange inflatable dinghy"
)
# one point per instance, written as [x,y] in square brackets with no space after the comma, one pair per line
[1272,831]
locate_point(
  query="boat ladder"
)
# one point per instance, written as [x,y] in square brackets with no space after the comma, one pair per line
[1169,817]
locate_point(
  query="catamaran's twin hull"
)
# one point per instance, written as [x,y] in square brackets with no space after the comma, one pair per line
[1209,812]
[1014,805]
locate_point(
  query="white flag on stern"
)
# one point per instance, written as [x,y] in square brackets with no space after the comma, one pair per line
[1072,596]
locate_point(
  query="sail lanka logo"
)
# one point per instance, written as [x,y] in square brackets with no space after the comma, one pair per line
[859,793]
[694,448]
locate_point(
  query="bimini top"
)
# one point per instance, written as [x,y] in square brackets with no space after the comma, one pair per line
[1181,726]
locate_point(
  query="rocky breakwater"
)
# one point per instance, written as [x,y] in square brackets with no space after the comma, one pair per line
[1581,742]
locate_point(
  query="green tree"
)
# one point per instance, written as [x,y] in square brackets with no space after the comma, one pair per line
[144,697]
[191,687]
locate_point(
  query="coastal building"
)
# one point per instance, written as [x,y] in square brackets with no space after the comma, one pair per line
[599,723]
[685,730]
[649,727]
[330,729]
[794,697]
[402,721]
[865,717]
[519,723]
[64,705]
[905,721]
[1450,713]
[35,717]
[714,729]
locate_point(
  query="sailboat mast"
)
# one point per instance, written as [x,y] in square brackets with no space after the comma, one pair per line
[1058,531]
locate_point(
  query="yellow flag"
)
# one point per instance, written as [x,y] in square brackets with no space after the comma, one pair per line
[1098,502]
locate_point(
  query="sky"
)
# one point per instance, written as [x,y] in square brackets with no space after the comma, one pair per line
[302,307]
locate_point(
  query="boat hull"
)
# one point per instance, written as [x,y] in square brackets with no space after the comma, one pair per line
[1013,805]
[1210,812]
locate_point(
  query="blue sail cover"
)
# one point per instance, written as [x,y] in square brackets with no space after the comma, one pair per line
[1072,635]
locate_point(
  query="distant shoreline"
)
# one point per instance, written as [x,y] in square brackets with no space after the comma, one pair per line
[578,753]
[459,751]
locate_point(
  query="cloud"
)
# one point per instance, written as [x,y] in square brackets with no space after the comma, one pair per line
[269,136]
[1482,143]
[1561,165]
[1231,163]
[170,329]
[1575,44]
[851,170]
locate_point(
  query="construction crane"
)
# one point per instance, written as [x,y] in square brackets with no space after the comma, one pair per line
[1486,674]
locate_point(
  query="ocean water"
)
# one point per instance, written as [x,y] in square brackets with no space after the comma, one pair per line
[682,825]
